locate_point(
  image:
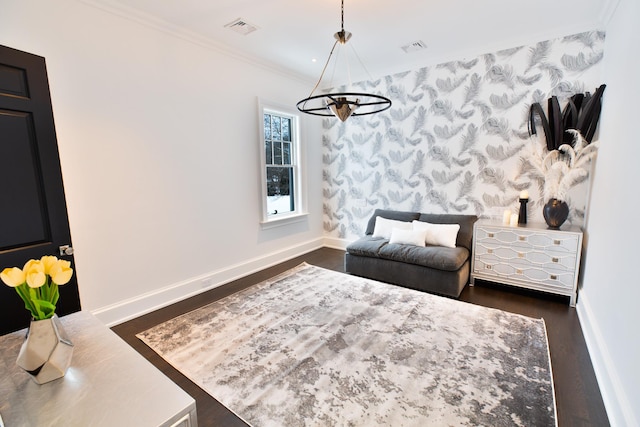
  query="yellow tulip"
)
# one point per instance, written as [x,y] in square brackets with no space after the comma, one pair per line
[13,276]
[33,264]
[42,276]
[35,279]
[34,272]
[48,261]
[61,272]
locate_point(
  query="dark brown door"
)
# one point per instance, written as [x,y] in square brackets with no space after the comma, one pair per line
[33,212]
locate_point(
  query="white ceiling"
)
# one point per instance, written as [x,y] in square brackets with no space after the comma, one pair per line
[291,33]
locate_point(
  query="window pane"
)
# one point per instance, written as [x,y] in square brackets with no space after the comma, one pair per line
[269,152]
[281,147]
[286,129]
[275,128]
[286,153]
[277,153]
[280,190]
[267,126]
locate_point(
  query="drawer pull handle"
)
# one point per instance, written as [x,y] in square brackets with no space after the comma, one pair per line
[490,234]
[489,251]
[522,238]
[518,271]
[553,277]
[554,259]
[556,242]
[488,267]
[520,255]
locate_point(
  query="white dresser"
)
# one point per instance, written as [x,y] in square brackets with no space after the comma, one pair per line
[531,256]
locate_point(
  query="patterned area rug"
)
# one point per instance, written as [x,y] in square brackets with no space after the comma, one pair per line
[314,347]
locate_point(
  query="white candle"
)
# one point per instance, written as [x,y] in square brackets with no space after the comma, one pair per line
[524,194]
[506,217]
[514,219]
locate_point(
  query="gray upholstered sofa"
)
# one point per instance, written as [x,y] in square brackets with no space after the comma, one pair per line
[436,269]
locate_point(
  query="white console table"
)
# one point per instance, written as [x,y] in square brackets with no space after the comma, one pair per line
[107,384]
[531,256]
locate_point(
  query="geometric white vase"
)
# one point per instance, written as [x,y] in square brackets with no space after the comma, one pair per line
[46,351]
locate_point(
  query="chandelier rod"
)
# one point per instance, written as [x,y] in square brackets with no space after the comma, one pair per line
[324,68]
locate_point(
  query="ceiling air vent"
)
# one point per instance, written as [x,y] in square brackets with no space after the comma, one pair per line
[415,46]
[241,26]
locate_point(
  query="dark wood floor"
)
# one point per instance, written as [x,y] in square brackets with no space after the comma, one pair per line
[578,398]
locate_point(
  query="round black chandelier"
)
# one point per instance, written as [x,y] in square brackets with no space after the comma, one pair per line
[342,104]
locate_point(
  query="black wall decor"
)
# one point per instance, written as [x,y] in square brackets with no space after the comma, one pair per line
[581,113]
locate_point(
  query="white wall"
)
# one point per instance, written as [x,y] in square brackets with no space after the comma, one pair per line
[608,302]
[158,139]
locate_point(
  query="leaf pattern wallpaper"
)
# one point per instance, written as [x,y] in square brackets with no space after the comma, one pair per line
[454,139]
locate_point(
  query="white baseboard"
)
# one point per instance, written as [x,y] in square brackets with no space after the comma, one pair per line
[336,243]
[619,409]
[134,307]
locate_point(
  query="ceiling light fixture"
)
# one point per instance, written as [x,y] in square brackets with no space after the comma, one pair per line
[342,104]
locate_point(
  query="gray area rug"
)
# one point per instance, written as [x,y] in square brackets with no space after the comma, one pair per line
[314,347]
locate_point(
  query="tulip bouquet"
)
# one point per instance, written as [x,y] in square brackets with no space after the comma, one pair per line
[37,284]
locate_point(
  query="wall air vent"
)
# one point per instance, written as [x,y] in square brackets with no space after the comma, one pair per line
[415,46]
[241,26]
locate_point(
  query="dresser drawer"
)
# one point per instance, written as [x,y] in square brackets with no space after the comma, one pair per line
[523,256]
[529,256]
[548,278]
[516,237]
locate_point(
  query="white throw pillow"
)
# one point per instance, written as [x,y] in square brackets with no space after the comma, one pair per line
[384,226]
[439,234]
[408,237]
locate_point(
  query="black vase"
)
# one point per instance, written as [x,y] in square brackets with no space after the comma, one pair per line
[555,213]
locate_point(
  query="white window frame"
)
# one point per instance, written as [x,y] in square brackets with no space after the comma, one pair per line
[299,168]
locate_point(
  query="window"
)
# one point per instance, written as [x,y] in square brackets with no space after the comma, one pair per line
[281,174]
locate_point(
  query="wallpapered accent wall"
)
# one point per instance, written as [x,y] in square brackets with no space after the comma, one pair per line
[453,140]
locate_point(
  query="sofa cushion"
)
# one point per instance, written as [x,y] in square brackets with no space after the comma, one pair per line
[465,235]
[385,226]
[438,257]
[395,215]
[367,246]
[438,234]
[408,237]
